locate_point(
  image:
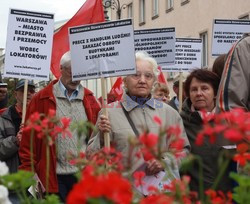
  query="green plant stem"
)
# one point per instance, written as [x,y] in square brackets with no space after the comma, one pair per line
[26,199]
[47,168]
[221,172]
[32,156]
[201,185]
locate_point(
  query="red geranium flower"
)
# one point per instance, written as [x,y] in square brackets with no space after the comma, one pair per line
[149,139]
[111,186]
[233,135]
[138,176]
[242,158]
[219,197]
[157,120]
[159,199]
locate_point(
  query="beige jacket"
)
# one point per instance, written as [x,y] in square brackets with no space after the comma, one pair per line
[234,89]
[142,116]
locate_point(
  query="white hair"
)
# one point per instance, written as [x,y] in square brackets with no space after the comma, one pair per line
[66,60]
[145,56]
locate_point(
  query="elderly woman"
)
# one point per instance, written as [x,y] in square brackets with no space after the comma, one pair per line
[161,92]
[138,105]
[201,88]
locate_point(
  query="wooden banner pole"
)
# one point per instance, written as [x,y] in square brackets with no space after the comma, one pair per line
[25,93]
[180,90]
[105,111]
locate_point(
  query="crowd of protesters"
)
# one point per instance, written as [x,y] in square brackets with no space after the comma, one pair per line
[205,92]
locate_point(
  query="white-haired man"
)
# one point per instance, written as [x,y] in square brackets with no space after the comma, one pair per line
[68,98]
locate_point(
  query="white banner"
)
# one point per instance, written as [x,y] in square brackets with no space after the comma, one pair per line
[227,32]
[102,50]
[158,43]
[29,45]
[187,55]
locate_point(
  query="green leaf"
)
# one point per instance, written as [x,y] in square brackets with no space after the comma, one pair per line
[241,193]
[19,180]
[187,163]
[49,199]
[99,201]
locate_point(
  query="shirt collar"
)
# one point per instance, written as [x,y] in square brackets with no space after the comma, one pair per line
[176,101]
[74,95]
[129,104]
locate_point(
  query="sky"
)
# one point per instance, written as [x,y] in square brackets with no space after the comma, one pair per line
[62,9]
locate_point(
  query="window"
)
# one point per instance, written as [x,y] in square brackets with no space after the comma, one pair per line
[204,57]
[170,4]
[130,10]
[155,8]
[183,2]
[142,12]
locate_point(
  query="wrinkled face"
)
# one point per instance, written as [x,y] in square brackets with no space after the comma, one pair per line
[66,79]
[3,93]
[19,95]
[202,95]
[141,83]
[161,95]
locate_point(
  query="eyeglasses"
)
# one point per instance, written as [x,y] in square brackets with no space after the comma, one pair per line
[148,76]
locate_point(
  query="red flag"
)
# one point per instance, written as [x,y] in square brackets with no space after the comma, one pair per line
[90,12]
[116,90]
[161,77]
[115,93]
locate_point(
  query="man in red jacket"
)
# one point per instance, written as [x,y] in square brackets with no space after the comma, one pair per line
[69,99]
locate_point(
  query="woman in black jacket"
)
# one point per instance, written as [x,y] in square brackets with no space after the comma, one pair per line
[201,88]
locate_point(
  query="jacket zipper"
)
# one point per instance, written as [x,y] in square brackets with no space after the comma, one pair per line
[144,114]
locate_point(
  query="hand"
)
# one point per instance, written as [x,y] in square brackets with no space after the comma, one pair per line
[104,124]
[153,167]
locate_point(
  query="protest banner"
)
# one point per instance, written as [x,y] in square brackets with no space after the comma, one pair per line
[28,47]
[29,43]
[102,50]
[187,55]
[158,43]
[227,32]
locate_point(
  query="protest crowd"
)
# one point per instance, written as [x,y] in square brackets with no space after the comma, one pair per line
[153,133]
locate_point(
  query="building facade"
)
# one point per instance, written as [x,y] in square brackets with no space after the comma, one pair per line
[191,18]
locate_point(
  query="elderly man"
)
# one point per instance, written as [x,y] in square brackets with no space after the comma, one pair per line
[68,98]
[10,131]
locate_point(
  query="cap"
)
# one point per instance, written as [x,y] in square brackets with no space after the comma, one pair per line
[21,83]
[3,85]
[177,78]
